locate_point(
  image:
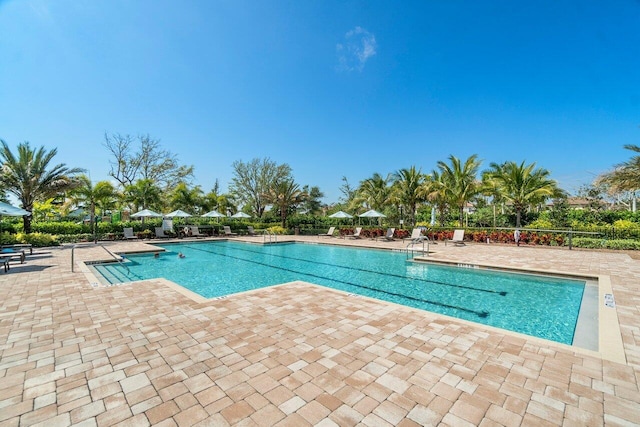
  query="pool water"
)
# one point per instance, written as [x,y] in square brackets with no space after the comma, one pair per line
[546,307]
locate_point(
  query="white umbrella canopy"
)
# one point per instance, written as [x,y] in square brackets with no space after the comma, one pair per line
[10,210]
[214,214]
[240,215]
[372,214]
[340,214]
[146,213]
[178,213]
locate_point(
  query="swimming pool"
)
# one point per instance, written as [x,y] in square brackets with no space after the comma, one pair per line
[546,307]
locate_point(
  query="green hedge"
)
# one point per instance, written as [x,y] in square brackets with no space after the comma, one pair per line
[620,244]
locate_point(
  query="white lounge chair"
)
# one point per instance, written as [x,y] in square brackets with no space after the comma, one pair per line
[128,233]
[328,233]
[389,235]
[416,235]
[355,235]
[457,239]
[228,232]
[250,231]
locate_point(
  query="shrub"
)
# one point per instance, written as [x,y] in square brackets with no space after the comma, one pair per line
[619,244]
[7,238]
[625,224]
[73,238]
[66,227]
[37,239]
[541,224]
[277,229]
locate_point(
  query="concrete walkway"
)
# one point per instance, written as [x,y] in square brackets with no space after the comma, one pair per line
[73,353]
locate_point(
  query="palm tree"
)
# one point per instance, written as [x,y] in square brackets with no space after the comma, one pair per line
[407,186]
[522,185]
[30,178]
[375,192]
[625,176]
[459,182]
[185,198]
[434,190]
[143,194]
[92,195]
[284,195]
[490,189]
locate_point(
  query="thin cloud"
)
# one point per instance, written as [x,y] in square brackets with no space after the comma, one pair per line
[353,53]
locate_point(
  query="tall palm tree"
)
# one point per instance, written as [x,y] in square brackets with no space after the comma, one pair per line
[459,182]
[92,195]
[143,194]
[407,186]
[522,185]
[185,198]
[375,192]
[490,189]
[30,177]
[626,175]
[434,190]
[284,195]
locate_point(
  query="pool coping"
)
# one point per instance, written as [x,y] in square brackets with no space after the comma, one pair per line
[610,344]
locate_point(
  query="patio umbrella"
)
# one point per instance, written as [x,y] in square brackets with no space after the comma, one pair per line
[340,214]
[214,214]
[372,214]
[146,213]
[178,213]
[240,215]
[10,210]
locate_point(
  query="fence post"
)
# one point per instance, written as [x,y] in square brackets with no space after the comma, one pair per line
[570,235]
[73,248]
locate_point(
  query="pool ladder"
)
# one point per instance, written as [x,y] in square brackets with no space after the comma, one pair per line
[271,235]
[411,244]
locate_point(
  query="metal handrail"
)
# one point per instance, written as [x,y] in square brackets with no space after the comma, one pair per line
[268,233]
[119,259]
[412,243]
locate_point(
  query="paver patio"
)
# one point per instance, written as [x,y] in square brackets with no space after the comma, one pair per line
[72,353]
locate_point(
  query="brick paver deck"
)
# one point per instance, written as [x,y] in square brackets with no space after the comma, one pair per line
[295,355]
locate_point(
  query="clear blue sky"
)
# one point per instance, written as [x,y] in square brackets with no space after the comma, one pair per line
[333,88]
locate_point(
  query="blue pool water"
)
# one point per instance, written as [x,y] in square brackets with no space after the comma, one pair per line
[545,307]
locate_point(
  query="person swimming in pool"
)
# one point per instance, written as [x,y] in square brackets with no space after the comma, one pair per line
[181,255]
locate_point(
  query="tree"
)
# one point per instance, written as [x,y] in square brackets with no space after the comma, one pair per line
[285,195]
[92,195]
[312,203]
[375,192]
[149,162]
[434,190]
[252,181]
[408,185]
[489,187]
[626,175]
[523,185]
[31,178]
[625,178]
[143,194]
[459,182]
[185,198]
